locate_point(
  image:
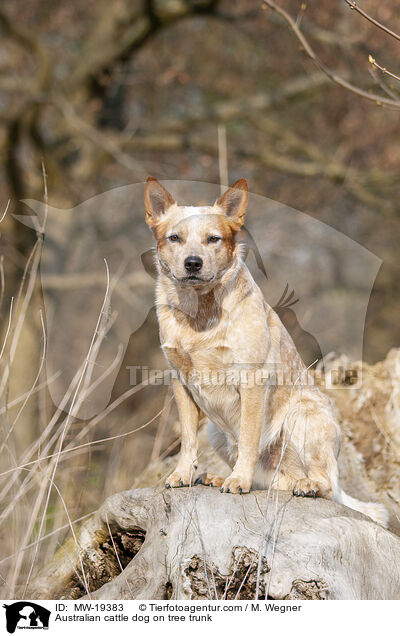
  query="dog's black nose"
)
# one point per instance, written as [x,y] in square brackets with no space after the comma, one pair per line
[193,264]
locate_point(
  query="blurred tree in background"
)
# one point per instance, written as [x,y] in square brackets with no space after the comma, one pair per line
[102,94]
[105,94]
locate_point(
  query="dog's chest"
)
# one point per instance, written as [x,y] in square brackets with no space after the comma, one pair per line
[202,360]
[191,352]
[204,370]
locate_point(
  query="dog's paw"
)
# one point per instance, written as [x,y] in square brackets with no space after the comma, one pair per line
[208,479]
[180,478]
[237,485]
[306,488]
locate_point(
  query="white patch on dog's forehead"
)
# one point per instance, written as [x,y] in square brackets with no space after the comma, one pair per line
[194,218]
[194,210]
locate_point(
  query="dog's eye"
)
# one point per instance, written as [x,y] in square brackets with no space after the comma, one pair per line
[213,239]
[174,238]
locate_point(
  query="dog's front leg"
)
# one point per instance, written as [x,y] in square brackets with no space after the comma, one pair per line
[189,418]
[251,420]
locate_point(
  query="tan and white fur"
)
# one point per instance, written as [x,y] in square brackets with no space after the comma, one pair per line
[213,319]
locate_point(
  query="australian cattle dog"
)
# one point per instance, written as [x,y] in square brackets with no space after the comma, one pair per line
[214,322]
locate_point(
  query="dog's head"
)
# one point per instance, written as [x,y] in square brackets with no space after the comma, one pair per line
[195,245]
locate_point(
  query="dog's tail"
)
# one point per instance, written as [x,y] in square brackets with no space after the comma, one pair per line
[378,512]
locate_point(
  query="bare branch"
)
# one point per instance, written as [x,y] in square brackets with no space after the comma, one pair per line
[100,139]
[25,39]
[379,100]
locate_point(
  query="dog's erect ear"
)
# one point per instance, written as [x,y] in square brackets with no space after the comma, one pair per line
[234,202]
[157,200]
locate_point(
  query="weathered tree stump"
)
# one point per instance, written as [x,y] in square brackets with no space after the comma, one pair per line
[196,543]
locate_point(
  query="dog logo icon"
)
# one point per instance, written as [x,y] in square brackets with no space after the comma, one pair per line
[26,615]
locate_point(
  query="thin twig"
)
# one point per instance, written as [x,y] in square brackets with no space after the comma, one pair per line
[354,5]
[222,157]
[8,327]
[382,68]
[155,453]
[5,211]
[118,559]
[46,199]
[2,281]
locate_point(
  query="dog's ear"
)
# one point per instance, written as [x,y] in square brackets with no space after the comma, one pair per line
[157,200]
[234,202]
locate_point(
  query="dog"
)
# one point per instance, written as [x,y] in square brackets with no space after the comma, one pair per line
[214,322]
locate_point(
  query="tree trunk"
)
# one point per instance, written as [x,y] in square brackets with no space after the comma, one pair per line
[196,543]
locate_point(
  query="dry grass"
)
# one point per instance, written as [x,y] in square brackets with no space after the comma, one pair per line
[50,484]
